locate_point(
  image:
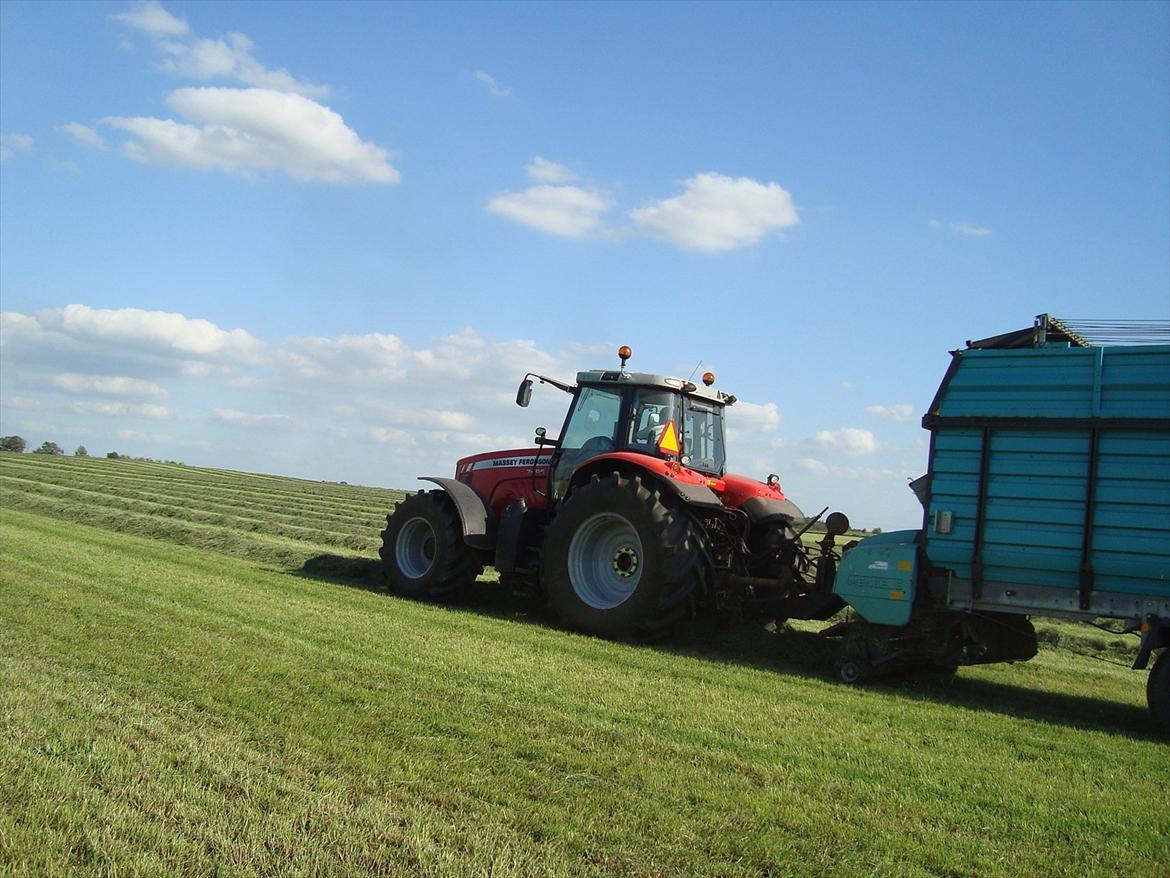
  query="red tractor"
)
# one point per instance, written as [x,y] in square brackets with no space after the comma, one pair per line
[625,525]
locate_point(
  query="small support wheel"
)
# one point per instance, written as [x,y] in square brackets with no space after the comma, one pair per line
[852,667]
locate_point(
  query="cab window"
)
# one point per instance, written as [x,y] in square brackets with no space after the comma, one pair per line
[594,421]
[651,412]
[703,447]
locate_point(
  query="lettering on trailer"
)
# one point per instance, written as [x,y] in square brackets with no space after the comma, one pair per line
[497,462]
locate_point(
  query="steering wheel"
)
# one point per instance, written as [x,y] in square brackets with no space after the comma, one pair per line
[598,445]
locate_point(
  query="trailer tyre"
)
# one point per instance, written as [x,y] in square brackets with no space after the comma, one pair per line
[1158,691]
[423,553]
[621,561]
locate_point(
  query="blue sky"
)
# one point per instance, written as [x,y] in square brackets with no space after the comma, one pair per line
[327,240]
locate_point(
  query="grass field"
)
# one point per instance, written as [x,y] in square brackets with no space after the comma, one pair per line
[170,708]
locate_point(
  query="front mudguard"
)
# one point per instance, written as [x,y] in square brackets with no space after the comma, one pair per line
[479,524]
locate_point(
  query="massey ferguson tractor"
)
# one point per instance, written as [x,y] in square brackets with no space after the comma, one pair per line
[625,524]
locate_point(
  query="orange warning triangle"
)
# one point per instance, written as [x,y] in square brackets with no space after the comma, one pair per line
[669,441]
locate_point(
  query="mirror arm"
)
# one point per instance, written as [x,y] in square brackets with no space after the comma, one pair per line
[544,379]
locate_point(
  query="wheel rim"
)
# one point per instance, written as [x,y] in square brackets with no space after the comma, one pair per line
[605,561]
[414,550]
[850,671]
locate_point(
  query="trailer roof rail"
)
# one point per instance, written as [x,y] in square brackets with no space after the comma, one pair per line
[1080,333]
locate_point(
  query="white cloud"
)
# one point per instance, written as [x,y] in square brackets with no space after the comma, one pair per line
[205,59]
[432,418]
[11,144]
[969,230]
[23,403]
[849,440]
[139,329]
[897,412]
[231,58]
[247,419]
[855,473]
[752,418]
[716,213]
[568,211]
[255,130]
[494,88]
[112,385]
[83,135]
[812,465]
[374,355]
[120,409]
[541,170]
[390,436]
[154,20]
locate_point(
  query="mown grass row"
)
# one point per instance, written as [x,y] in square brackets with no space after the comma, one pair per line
[246,517]
[173,711]
[237,502]
[190,481]
[258,520]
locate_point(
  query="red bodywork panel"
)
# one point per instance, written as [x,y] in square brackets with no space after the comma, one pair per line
[739,488]
[501,477]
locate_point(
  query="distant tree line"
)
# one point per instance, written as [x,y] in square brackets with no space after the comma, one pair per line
[18,445]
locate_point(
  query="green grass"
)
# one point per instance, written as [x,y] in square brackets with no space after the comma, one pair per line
[169,709]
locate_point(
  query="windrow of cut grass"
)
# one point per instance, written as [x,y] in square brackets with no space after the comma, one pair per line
[173,711]
[282,522]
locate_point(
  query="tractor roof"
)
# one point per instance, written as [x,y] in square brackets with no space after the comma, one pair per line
[601,378]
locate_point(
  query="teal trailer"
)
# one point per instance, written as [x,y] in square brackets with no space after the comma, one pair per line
[1047,494]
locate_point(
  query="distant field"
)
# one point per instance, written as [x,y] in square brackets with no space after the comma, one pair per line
[169,709]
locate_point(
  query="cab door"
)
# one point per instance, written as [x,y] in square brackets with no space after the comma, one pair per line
[592,428]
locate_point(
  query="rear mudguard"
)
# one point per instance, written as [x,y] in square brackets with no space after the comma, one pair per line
[479,524]
[687,485]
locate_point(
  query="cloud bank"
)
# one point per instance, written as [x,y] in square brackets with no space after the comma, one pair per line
[714,213]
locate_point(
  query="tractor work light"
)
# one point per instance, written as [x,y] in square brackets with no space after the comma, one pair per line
[625,353]
[708,378]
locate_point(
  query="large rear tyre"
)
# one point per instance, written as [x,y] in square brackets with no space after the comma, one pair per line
[1158,691]
[621,562]
[423,553]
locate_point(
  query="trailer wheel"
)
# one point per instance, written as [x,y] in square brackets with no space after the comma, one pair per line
[423,553]
[1158,691]
[620,562]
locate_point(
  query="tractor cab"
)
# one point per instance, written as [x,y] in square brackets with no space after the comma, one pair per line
[623,413]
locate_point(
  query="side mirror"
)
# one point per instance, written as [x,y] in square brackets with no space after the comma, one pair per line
[524,393]
[837,523]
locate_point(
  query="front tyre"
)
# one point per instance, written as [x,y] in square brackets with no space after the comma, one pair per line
[621,562]
[423,553]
